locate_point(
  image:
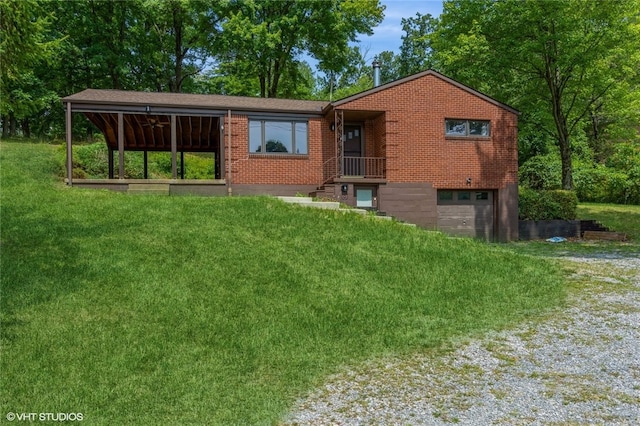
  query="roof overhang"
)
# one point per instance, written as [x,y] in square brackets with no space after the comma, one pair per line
[147,117]
[401,81]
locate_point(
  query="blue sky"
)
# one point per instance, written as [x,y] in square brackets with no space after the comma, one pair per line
[387,35]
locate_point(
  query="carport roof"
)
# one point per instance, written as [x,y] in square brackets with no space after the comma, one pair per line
[94,99]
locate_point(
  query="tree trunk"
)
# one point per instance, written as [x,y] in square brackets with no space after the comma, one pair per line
[26,130]
[5,129]
[565,157]
[176,84]
[555,84]
[12,125]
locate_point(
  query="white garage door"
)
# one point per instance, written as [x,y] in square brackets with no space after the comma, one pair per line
[466,213]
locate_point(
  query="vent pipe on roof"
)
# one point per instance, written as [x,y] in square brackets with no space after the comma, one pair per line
[376,72]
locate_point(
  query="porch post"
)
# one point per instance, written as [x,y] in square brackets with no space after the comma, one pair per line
[145,164]
[110,163]
[181,164]
[339,135]
[120,146]
[69,148]
[174,148]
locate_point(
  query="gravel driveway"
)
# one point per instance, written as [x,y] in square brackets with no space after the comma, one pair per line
[578,366]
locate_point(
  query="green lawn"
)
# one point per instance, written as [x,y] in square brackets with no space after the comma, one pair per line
[194,310]
[617,217]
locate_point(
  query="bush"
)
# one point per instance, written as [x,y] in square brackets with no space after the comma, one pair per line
[547,205]
[601,184]
[91,161]
[541,172]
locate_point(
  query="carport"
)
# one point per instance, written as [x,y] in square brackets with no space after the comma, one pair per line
[142,121]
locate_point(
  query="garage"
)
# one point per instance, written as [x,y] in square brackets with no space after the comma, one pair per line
[466,213]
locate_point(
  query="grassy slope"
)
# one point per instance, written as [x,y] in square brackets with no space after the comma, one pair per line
[175,310]
[620,218]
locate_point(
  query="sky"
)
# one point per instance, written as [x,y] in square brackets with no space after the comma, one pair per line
[387,35]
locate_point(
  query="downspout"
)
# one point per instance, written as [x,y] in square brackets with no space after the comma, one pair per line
[69,149]
[229,189]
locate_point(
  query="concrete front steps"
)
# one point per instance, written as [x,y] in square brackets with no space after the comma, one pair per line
[333,205]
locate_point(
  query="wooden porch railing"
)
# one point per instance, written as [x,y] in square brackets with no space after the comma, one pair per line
[368,167]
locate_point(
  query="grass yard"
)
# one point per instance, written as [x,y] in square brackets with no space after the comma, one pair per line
[194,310]
[617,217]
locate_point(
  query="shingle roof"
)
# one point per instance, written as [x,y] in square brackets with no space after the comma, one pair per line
[420,75]
[178,100]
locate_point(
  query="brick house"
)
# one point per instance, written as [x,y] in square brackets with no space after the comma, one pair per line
[425,149]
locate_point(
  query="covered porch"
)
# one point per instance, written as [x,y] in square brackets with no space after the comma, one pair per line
[134,121]
[360,147]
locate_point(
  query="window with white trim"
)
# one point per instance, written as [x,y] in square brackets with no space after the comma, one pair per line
[467,128]
[278,137]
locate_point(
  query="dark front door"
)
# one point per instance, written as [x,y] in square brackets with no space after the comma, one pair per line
[352,151]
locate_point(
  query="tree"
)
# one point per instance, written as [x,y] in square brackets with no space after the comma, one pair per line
[263,39]
[415,51]
[172,42]
[24,45]
[355,77]
[555,61]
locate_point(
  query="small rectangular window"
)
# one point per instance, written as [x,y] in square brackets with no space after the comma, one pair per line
[445,195]
[467,128]
[464,195]
[479,128]
[482,195]
[456,127]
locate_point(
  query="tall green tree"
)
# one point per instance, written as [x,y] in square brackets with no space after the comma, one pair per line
[173,41]
[24,45]
[263,40]
[416,51]
[555,61]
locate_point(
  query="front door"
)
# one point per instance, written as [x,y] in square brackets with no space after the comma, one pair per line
[352,151]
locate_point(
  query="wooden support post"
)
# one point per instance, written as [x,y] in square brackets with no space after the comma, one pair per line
[339,138]
[120,145]
[145,173]
[181,164]
[174,148]
[110,162]
[69,147]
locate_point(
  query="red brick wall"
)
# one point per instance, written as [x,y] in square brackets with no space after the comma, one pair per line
[270,169]
[415,143]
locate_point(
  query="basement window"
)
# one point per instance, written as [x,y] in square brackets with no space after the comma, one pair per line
[278,137]
[467,128]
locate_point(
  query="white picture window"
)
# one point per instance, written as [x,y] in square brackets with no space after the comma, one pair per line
[278,137]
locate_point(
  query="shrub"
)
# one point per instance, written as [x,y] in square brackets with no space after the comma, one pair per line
[547,205]
[541,172]
[91,161]
[601,184]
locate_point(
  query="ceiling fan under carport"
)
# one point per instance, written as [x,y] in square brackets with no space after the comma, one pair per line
[155,122]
